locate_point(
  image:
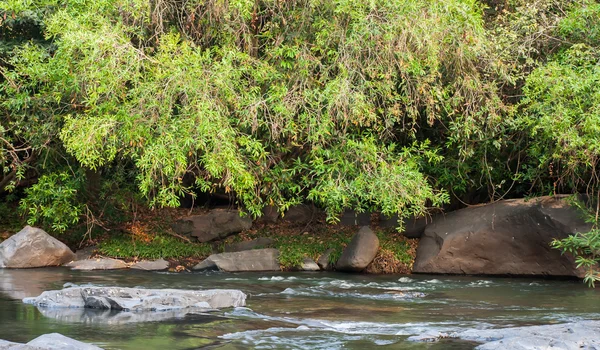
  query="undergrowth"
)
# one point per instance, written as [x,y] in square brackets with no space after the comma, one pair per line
[160,246]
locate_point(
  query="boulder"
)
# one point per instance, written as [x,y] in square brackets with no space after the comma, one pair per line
[33,247]
[136,299]
[300,214]
[214,225]
[509,237]
[353,218]
[309,264]
[248,260]
[98,264]
[360,252]
[270,215]
[5,345]
[85,253]
[567,336]
[56,341]
[413,226]
[323,260]
[261,242]
[52,341]
[153,265]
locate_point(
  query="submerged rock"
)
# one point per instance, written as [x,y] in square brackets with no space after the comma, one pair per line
[509,237]
[214,225]
[248,260]
[568,336]
[134,299]
[154,265]
[98,264]
[112,317]
[33,247]
[360,252]
[52,341]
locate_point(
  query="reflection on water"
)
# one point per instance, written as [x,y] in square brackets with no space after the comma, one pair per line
[300,310]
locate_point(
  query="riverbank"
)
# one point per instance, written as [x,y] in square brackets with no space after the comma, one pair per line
[150,236]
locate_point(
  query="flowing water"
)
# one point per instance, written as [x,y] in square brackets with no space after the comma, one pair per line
[295,310]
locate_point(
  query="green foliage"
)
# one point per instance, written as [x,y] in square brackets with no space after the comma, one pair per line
[160,246]
[586,248]
[53,201]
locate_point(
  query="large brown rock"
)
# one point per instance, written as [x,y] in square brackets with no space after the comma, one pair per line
[247,260]
[509,237]
[214,225]
[33,247]
[360,252]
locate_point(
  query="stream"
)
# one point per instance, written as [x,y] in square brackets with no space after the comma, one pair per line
[295,310]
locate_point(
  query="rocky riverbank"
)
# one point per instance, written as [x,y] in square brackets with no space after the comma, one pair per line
[509,237]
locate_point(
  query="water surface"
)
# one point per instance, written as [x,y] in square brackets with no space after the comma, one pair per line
[295,310]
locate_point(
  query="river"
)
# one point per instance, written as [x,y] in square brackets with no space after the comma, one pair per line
[296,310]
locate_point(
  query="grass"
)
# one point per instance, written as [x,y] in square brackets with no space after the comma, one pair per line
[396,252]
[159,246]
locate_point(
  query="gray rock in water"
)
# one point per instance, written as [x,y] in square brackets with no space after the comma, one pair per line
[360,252]
[134,299]
[98,264]
[248,260]
[6,345]
[323,260]
[56,341]
[509,237]
[154,265]
[261,242]
[52,341]
[33,247]
[102,317]
[568,336]
[214,225]
[309,264]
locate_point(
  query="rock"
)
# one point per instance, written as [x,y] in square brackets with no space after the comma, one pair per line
[300,214]
[56,341]
[270,215]
[413,227]
[136,299]
[214,225]
[261,242]
[360,252]
[248,260]
[309,264]
[52,341]
[5,345]
[98,264]
[33,247]
[509,237]
[323,260]
[93,317]
[85,253]
[154,265]
[352,218]
[567,336]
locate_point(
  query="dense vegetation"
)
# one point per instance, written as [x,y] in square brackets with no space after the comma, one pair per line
[397,106]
